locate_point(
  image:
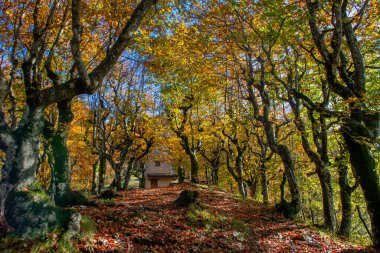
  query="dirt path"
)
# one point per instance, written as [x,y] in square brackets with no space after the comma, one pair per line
[146,221]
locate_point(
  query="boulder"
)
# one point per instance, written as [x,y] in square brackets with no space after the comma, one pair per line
[186,198]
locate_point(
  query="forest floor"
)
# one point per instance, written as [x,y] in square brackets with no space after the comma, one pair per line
[146,220]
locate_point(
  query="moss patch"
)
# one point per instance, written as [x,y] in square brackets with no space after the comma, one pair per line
[199,216]
[33,214]
[87,227]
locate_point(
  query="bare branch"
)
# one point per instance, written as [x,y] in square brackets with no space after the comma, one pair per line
[54,77]
[361,14]
[76,40]
[123,40]
[79,86]
[3,87]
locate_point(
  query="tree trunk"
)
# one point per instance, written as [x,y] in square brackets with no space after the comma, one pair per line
[60,185]
[290,209]
[345,198]
[181,174]
[311,212]
[60,188]
[282,188]
[127,178]
[31,213]
[102,171]
[240,181]
[215,172]
[142,178]
[252,187]
[22,157]
[325,181]
[116,182]
[364,166]
[95,167]
[319,158]
[264,185]
[128,173]
[242,189]
[194,167]
[207,175]
[362,125]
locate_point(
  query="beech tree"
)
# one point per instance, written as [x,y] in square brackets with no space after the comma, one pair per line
[305,73]
[180,121]
[280,97]
[360,126]
[23,209]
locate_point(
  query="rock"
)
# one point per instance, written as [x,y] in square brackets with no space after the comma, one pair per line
[286,209]
[186,198]
[108,194]
[32,214]
[72,198]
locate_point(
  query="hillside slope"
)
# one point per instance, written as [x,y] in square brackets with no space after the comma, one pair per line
[145,220]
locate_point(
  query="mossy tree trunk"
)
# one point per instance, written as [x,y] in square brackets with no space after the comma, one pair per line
[95,168]
[134,161]
[181,174]
[325,180]
[364,165]
[117,161]
[320,157]
[102,171]
[264,185]
[251,184]
[117,179]
[188,143]
[61,169]
[236,170]
[345,72]
[345,197]
[289,209]
[22,154]
[191,151]
[194,165]
[29,211]
[264,157]
[239,170]
[214,160]
[215,172]
[128,173]
[142,173]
